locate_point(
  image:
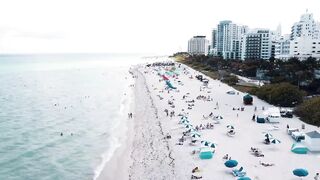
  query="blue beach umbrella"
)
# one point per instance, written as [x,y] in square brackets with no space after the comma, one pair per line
[300,172]
[244,178]
[231,163]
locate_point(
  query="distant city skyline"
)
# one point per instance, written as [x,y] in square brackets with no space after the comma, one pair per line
[126,26]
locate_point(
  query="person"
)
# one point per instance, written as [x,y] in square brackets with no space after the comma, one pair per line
[61,134]
[166,111]
[253,117]
[316,177]
[226,156]
[287,126]
[196,169]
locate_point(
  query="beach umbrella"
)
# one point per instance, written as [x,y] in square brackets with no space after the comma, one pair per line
[195,135]
[300,172]
[275,141]
[184,118]
[184,121]
[244,178]
[231,163]
[208,144]
[191,129]
[230,127]
[218,117]
[188,126]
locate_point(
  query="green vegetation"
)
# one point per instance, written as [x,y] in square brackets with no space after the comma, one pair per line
[280,94]
[231,80]
[309,112]
[290,81]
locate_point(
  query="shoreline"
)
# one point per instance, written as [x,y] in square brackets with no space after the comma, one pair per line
[118,165]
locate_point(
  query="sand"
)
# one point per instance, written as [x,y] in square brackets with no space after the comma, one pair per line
[147,154]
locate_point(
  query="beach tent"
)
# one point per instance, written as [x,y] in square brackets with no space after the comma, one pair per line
[170,85]
[312,140]
[247,99]
[231,163]
[299,148]
[244,178]
[261,119]
[273,115]
[206,153]
[300,172]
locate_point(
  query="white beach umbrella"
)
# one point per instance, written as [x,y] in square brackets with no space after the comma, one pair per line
[275,141]
[188,126]
[208,144]
[230,127]
[195,134]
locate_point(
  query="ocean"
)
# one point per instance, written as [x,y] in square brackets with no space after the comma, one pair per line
[60,115]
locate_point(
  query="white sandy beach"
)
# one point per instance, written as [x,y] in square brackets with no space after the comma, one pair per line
[147,154]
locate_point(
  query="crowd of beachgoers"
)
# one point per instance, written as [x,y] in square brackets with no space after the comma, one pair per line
[185,128]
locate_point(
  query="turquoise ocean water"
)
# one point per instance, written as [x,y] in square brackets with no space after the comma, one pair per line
[42,96]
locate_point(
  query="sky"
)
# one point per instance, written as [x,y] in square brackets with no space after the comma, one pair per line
[133,26]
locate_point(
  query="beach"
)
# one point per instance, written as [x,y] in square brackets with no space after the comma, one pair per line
[152,149]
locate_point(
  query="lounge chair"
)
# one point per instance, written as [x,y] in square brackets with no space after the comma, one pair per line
[258,154]
[231,133]
[239,172]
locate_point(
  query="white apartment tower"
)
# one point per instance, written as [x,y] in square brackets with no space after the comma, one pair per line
[282,50]
[198,45]
[229,39]
[305,38]
[306,27]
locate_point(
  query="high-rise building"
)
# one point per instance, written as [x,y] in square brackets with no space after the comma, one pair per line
[306,27]
[305,38]
[229,39]
[259,44]
[214,39]
[283,47]
[198,45]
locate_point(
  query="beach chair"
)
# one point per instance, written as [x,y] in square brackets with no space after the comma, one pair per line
[231,133]
[239,172]
[258,154]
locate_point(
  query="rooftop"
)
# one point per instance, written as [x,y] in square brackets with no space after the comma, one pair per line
[313,134]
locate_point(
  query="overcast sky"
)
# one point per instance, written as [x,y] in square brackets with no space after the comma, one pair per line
[132,26]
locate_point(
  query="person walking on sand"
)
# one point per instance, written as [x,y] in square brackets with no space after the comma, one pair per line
[253,117]
[166,111]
